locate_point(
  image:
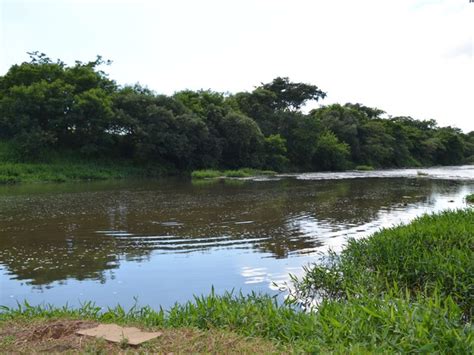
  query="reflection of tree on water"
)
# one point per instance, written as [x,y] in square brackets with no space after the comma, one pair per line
[305,213]
[279,218]
[42,263]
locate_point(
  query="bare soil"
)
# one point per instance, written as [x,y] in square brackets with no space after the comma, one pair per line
[59,336]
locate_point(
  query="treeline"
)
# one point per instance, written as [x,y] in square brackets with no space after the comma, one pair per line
[47,106]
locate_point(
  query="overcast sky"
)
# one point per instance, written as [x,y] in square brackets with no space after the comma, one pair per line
[406,57]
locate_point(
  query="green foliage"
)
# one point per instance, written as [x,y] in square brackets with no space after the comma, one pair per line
[330,153]
[470,198]
[275,153]
[363,324]
[364,167]
[245,172]
[432,255]
[345,122]
[243,141]
[48,107]
[64,170]
[291,96]
[206,174]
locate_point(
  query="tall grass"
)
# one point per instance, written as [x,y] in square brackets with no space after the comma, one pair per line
[69,166]
[433,254]
[11,173]
[363,324]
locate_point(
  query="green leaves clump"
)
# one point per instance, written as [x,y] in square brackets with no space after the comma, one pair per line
[434,254]
[48,107]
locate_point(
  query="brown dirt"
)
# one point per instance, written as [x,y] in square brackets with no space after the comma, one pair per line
[59,336]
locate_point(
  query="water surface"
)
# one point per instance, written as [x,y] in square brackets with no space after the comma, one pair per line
[163,241]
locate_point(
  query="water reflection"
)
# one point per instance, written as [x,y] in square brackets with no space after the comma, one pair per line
[242,232]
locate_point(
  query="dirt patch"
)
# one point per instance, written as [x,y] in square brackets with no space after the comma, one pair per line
[59,336]
[59,329]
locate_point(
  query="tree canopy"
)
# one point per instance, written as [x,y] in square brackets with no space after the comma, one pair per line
[48,106]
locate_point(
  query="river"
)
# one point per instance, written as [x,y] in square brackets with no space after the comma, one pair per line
[163,241]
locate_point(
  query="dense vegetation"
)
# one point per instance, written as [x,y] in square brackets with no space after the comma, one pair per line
[405,289]
[213,174]
[434,254]
[48,108]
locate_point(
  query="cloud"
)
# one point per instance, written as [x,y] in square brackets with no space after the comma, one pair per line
[406,57]
[464,49]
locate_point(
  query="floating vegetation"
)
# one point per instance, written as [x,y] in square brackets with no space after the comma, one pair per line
[364,167]
[240,173]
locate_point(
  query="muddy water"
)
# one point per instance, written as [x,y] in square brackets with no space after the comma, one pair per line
[164,241]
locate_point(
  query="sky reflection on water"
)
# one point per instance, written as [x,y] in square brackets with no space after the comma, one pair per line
[164,241]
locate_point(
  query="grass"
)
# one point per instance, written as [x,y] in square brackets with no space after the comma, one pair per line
[65,166]
[363,324]
[61,171]
[433,255]
[470,198]
[69,166]
[364,167]
[240,173]
[404,289]
[58,335]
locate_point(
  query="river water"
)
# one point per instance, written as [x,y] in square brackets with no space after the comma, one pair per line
[164,241]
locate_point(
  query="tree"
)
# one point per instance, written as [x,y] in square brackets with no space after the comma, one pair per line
[51,105]
[243,141]
[330,153]
[291,96]
[301,133]
[275,153]
[344,122]
[377,145]
[47,106]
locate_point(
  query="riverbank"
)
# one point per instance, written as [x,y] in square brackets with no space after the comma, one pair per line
[412,293]
[79,170]
[238,173]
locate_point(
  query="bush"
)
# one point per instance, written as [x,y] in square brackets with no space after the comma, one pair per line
[206,174]
[364,167]
[433,254]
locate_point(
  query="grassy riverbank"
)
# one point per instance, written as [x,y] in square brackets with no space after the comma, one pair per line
[215,174]
[79,170]
[404,289]
[82,170]
[69,166]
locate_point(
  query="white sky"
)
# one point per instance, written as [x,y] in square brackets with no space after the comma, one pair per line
[405,57]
